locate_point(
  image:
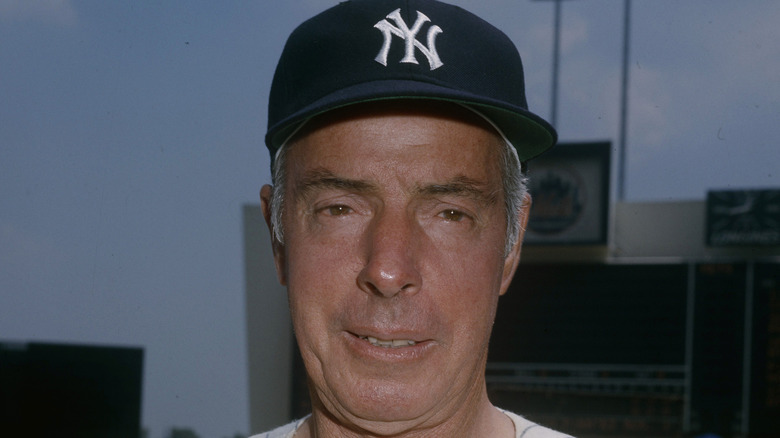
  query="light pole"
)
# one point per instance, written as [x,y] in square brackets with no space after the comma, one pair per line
[621,178]
[556,60]
[621,172]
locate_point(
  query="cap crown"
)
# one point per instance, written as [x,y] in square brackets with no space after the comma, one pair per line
[363,50]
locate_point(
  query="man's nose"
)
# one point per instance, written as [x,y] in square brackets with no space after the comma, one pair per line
[390,256]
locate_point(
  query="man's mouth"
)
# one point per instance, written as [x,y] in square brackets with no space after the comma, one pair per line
[393,343]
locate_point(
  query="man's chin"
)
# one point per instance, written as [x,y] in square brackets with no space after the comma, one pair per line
[385,409]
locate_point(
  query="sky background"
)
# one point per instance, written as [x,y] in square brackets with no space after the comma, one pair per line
[131,133]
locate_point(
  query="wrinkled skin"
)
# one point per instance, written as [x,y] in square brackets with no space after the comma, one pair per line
[394,228]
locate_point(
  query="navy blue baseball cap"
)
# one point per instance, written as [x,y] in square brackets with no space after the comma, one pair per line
[369,50]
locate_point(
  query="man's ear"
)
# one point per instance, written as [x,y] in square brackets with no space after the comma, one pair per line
[513,258]
[266,194]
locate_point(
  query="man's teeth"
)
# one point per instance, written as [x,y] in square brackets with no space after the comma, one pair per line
[395,343]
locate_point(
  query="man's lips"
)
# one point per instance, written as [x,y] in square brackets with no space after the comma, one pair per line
[387,340]
[400,347]
[388,343]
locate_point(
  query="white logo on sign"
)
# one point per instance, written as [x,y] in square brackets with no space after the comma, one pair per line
[410,38]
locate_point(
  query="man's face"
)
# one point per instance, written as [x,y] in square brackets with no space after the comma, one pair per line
[393,255]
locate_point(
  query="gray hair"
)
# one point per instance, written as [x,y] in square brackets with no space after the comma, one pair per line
[513,179]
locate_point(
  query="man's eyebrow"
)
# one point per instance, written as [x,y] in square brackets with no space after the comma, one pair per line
[461,186]
[319,179]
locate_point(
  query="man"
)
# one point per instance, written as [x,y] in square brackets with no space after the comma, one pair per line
[397,131]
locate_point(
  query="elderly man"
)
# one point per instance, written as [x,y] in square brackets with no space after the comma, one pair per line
[397,131]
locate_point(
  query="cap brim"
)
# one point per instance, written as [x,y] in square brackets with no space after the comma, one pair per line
[529,134]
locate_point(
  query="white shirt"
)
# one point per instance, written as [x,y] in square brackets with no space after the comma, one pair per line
[523,429]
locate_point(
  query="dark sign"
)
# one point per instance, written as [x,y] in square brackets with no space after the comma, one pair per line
[66,390]
[570,190]
[743,217]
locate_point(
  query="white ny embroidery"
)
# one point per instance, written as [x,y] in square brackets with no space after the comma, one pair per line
[410,38]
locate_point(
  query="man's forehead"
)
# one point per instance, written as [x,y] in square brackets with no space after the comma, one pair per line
[446,148]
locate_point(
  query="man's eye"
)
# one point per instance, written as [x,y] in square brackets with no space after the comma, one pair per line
[337,210]
[453,215]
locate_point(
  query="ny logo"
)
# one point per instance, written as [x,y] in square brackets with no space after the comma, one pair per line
[410,38]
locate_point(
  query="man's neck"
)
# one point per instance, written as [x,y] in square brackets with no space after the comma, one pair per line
[485,420]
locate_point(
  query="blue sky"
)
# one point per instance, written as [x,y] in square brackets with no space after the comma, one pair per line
[131,132]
